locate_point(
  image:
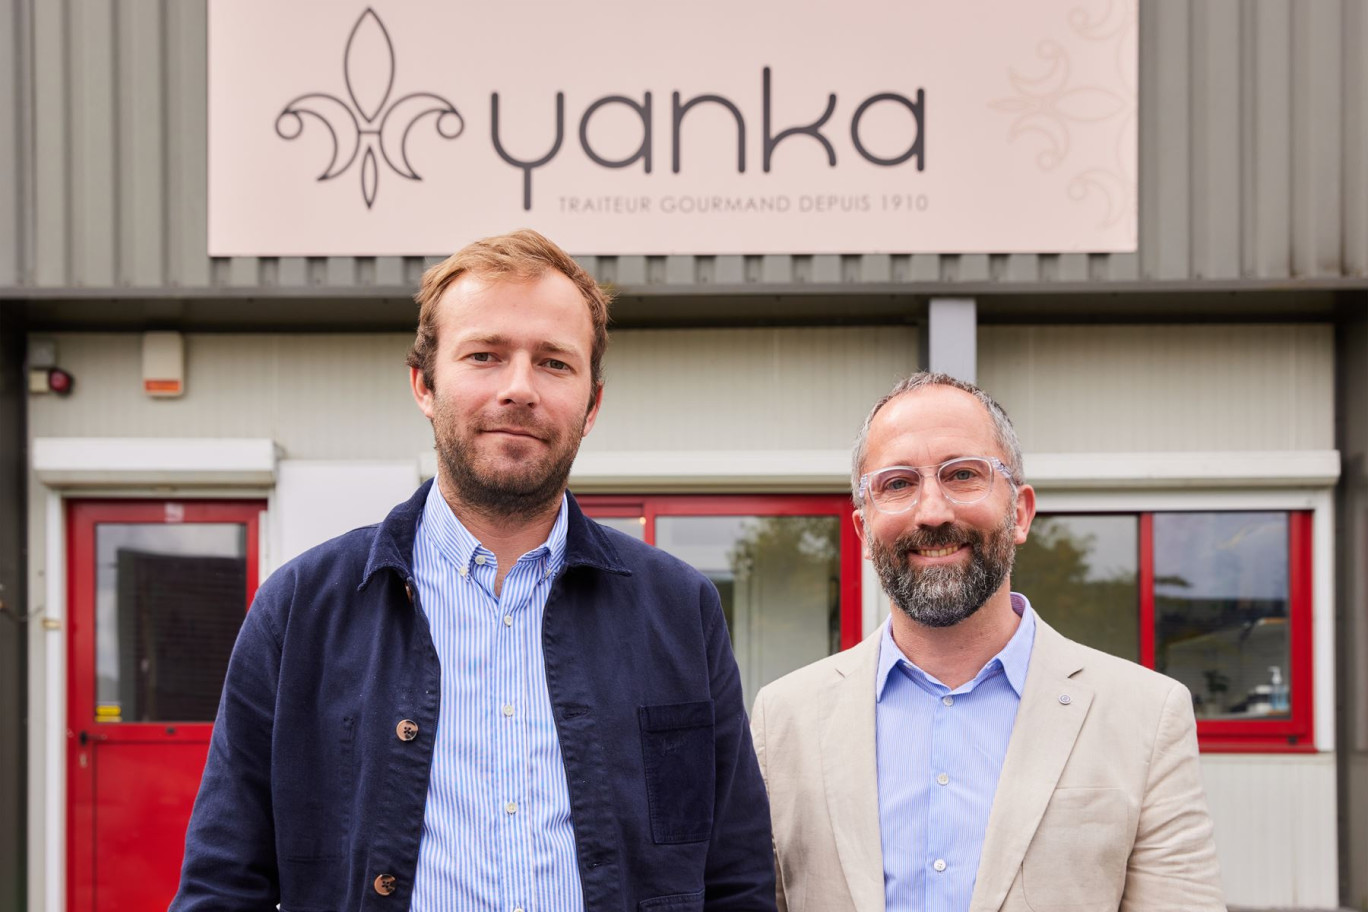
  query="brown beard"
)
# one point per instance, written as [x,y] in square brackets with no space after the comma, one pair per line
[533,487]
[945,595]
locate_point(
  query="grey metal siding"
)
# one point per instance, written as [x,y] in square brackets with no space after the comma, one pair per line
[1253,165]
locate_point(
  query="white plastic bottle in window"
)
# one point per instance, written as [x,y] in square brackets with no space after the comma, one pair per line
[1277,698]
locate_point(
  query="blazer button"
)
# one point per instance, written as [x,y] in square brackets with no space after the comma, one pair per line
[408,591]
[385,884]
[407,730]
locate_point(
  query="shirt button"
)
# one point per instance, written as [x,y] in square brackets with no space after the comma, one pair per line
[508,620]
[508,709]
[480,559]
[939,864]
[464,571]
[407,730]
[385,884]
[511,807]
[943,779]
[948,700]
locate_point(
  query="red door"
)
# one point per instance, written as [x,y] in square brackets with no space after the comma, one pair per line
[157,591]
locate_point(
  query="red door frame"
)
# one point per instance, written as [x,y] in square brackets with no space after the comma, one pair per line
[838,505]
[82,518]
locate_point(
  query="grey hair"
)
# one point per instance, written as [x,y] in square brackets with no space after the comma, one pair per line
[1002,425]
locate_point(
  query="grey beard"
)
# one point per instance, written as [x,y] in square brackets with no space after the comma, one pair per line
[942,596]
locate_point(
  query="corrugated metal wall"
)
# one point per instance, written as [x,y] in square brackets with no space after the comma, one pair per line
[1260,805]
[1116,389]
[1253,162]
[344,396]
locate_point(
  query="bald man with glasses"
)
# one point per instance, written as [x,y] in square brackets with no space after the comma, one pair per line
[966,757]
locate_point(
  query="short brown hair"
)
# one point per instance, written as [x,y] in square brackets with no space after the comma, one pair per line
[524,255]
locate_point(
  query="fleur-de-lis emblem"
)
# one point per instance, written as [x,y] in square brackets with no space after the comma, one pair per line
[371,127]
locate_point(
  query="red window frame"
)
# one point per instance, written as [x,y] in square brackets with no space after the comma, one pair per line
[652,506]
[1296,733]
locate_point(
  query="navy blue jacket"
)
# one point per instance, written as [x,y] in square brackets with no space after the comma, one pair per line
[311,798]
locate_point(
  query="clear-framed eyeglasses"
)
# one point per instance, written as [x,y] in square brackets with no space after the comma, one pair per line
[966,480]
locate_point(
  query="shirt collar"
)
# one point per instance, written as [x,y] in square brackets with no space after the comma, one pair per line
[587,544]
[455,543]
[1013,659]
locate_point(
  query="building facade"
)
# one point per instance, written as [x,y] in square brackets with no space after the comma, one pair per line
[1194,416]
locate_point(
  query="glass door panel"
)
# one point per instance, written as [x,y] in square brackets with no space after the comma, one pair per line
[168,604]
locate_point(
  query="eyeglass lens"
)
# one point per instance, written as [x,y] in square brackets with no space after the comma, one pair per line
[964,481]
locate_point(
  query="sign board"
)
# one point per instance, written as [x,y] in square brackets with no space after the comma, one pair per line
[411,127]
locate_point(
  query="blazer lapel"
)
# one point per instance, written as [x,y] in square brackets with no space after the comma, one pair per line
[850,773]
[1053,706]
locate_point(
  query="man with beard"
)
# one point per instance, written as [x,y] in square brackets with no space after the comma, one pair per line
[966,756]
[487,701]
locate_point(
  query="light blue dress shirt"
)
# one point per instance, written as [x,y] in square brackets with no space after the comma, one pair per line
[497,832]
[940,753]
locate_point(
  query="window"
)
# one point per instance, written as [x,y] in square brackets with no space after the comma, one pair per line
[786,569]
[1221,601]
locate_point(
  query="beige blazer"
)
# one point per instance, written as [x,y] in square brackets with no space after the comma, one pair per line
[1099,807]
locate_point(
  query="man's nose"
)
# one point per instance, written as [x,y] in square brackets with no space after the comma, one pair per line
[932,508]
[519,386]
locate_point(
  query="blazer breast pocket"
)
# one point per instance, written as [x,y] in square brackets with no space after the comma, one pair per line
[1077,859]
[681,773]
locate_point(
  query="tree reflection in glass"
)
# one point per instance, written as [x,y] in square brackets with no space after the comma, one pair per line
[779,581]
[1080,574]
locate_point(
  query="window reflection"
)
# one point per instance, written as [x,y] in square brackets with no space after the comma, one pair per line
[779,581]
[1221,610]
[1080,573]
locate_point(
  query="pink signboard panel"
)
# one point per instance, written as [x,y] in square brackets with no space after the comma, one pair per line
[410,127]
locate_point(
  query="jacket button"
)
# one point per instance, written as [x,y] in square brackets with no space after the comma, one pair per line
[407,730]
[408,591]
[385,884]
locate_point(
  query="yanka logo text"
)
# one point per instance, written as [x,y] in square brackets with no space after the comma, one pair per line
[643,108]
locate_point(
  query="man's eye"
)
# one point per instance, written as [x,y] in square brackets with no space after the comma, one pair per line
[900,483]
[557,365]
[963,475]
[482,357]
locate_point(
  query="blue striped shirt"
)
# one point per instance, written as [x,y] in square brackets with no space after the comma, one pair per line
[497,833]
[940,753]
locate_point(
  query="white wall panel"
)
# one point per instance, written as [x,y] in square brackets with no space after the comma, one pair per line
[746,389]
[1275,828]
[316,396]
[1154,388]
[315,500]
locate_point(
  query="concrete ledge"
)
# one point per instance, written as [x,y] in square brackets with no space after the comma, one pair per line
[86,461]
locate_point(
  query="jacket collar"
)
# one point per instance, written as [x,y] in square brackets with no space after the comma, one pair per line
[586,542]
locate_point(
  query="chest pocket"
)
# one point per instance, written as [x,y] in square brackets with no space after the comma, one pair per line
[1077,860]
[681,771]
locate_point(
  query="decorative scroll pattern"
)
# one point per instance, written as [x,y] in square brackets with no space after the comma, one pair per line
[366,125]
